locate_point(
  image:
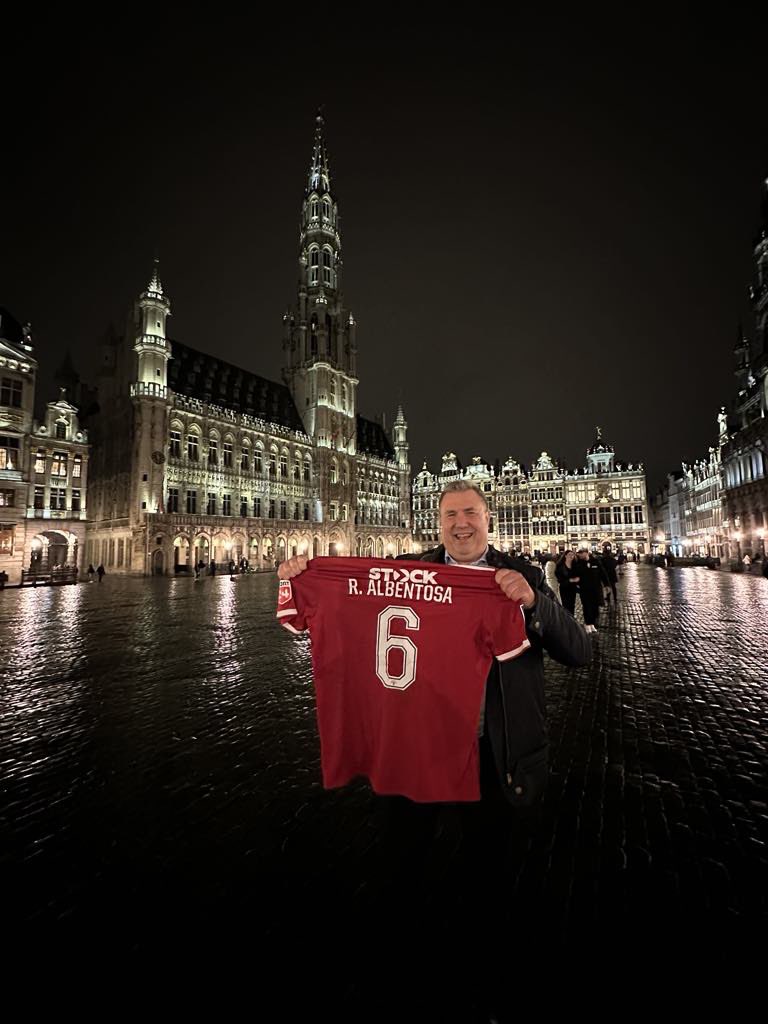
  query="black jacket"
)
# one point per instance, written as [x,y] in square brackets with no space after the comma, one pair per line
[609,565]
[514,709]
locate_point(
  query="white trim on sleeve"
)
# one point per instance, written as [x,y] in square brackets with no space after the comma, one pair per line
[287,611]
[287,625]
[508,655]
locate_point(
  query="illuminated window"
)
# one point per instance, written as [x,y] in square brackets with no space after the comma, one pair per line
[40,461]
[59,464]
[9,453]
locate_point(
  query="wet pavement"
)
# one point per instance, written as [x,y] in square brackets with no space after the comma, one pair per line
[161,799]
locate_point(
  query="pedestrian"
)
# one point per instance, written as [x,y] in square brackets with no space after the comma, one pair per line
[591,578]
[100,571]
[91,572]
[567,577]
[610,566]
[550,575]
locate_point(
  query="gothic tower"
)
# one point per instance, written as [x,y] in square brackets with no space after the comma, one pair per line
[403,467]
[149,394]
[319,348]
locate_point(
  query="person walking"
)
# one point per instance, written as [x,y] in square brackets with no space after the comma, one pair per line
[590,577]
[565,571]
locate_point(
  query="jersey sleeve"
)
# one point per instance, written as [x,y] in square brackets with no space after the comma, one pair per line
[509,638]
[291,610]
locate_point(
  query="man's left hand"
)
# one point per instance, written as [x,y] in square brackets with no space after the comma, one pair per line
[516,587]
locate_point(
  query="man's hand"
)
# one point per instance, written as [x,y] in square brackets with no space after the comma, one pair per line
[515,586]
[292,567]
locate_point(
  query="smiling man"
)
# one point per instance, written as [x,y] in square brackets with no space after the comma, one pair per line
[512,726]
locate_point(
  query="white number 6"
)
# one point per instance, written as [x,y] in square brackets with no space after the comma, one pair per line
[385,643]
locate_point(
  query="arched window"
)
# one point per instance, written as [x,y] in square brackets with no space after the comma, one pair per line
[193,444]
[328,267]
[314,265]
[314,208]
[327,209]
[307,469]
[334,472]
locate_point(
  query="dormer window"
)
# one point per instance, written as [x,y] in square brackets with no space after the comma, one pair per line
[61,431]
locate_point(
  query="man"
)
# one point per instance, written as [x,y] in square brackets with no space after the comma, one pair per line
[512,729]
[492,837]
[591,579]
[610,566]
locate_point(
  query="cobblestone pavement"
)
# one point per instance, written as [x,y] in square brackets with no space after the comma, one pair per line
[161,798]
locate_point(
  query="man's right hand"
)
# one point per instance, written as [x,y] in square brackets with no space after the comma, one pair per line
[292,567]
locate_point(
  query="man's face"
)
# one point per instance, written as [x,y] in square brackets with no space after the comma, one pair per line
[464,523]
[583,555]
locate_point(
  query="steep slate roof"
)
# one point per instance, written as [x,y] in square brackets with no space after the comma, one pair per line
[198,375]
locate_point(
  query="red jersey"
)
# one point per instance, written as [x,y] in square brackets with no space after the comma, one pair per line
[401,651]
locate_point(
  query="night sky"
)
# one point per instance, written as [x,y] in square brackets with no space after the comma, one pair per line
[541,231]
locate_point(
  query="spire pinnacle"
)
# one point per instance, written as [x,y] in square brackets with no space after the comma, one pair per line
[154,285]
[319,171]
